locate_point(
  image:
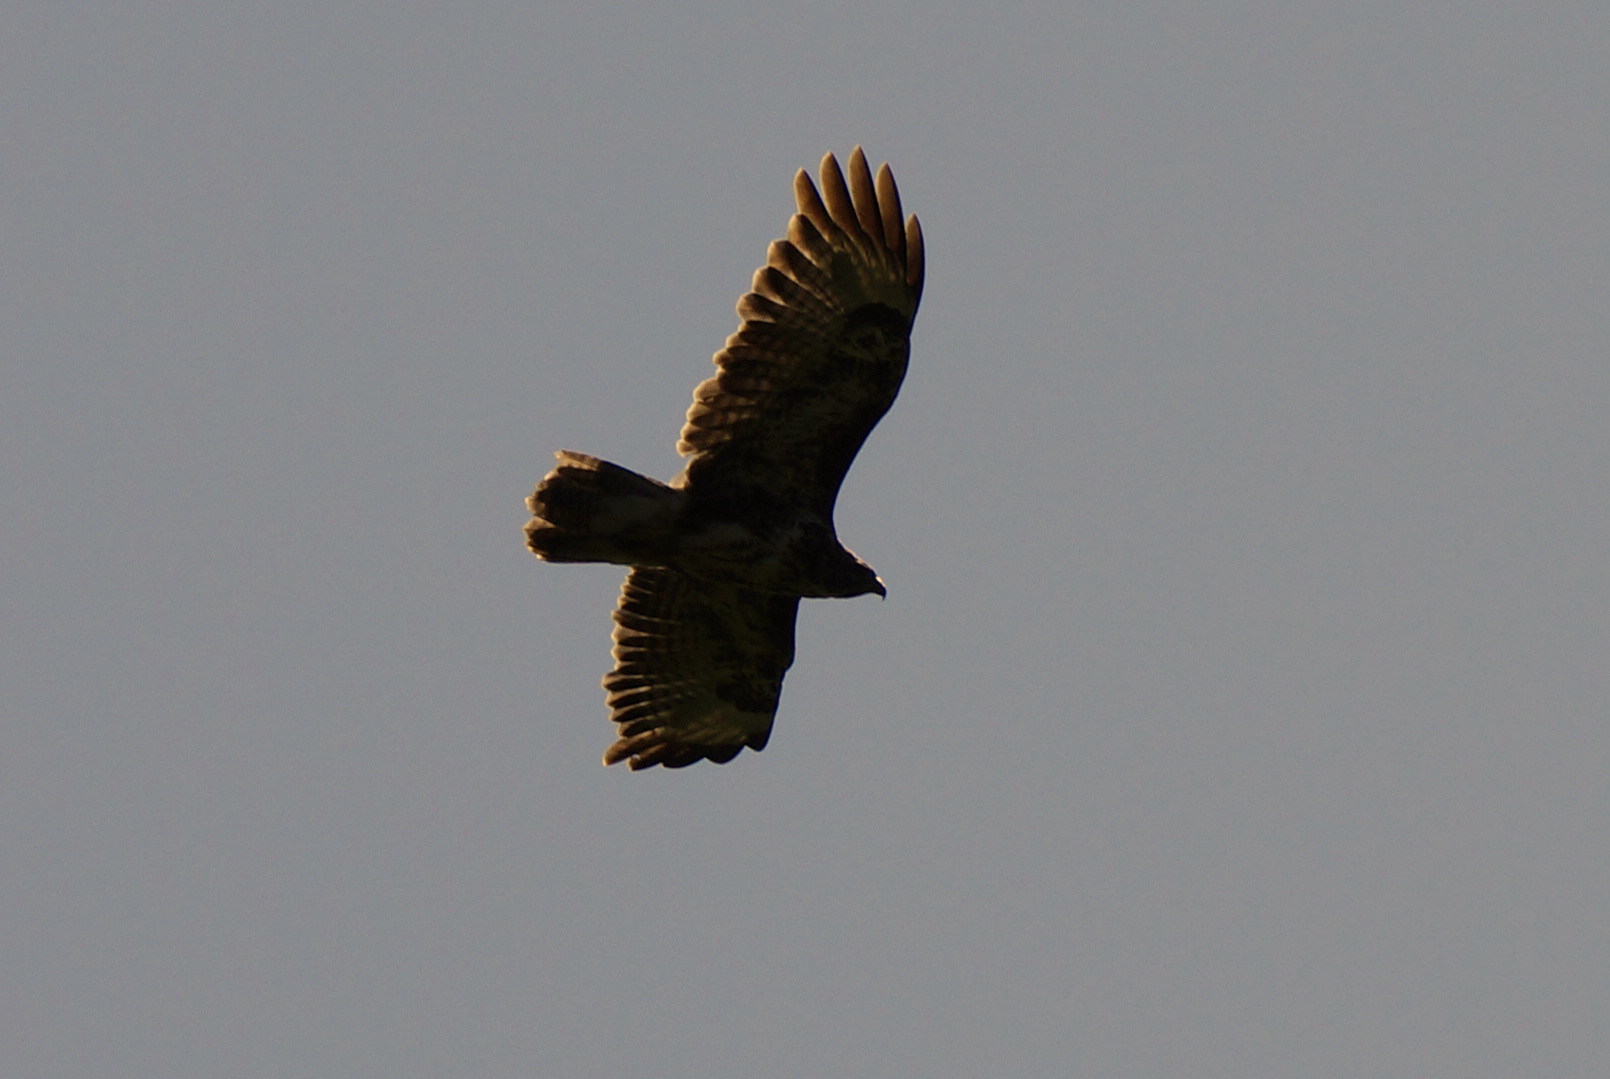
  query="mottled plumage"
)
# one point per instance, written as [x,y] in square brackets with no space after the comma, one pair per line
[721,556]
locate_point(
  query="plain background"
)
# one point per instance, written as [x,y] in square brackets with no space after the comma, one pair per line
[1239,707]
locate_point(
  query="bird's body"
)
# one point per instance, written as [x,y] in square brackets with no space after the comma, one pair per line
[589,510]
[722,555]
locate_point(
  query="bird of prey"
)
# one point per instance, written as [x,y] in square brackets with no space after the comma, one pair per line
[721,556]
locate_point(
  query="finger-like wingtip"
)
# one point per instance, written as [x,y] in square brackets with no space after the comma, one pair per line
[865,196]
[805,192]
[857,211]
[836,194]
[894,233]
[810,204]
[916,261]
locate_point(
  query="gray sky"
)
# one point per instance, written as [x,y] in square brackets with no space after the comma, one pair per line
[1239,706]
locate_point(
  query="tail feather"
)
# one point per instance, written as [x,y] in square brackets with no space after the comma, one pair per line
[588,510]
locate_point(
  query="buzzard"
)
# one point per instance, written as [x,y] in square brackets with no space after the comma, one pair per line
[721,556]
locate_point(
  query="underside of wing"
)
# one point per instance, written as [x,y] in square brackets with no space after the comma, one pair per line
[698,669]
[822,346]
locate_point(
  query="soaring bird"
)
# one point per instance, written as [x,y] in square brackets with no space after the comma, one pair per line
[721,556]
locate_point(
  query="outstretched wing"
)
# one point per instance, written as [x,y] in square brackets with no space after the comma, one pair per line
[822,348]
[698,668]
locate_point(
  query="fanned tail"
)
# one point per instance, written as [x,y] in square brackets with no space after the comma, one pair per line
[588,510]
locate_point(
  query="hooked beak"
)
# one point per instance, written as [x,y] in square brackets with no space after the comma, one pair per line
[883,593]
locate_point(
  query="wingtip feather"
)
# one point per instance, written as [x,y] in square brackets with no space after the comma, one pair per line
[836,193]
[810,204]
[916,259]
[894,233]
[864,196]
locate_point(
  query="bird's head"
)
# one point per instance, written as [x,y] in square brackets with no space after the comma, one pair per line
[849,576]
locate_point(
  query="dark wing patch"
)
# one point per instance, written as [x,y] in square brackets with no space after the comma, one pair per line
[822,346]
[698,669]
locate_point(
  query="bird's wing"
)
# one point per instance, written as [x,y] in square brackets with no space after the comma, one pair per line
[822,346]
[698,668]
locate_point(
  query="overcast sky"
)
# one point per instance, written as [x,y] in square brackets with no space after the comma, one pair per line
[1241,703]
